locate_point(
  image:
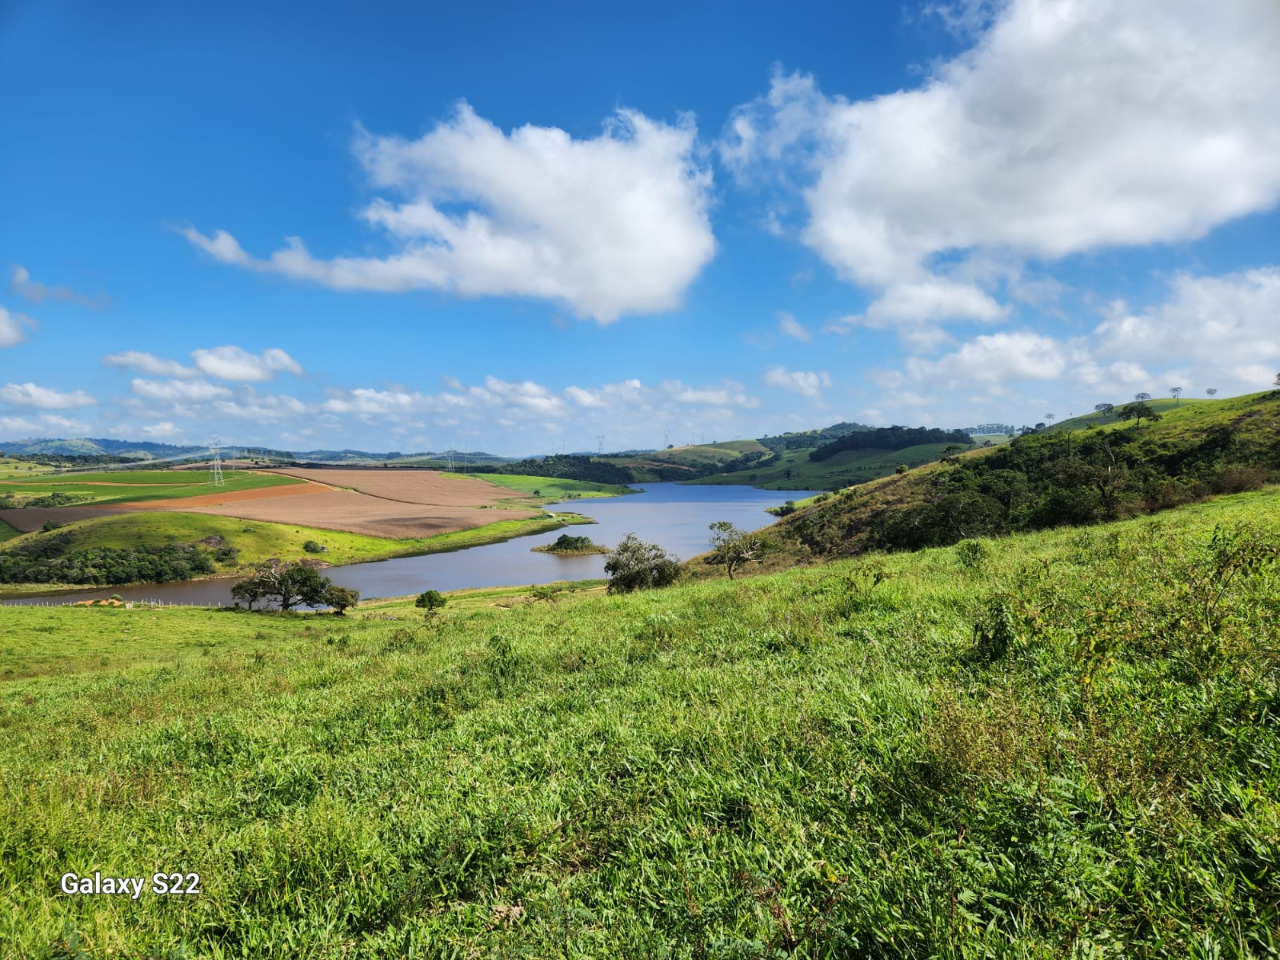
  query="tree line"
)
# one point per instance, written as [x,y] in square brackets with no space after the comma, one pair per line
[51,560]
[889,438]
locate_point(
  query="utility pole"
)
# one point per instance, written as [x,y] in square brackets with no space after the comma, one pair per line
[600,444]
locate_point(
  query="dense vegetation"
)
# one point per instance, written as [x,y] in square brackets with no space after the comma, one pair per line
[889,438]
[1057,479]
[566,467]
[1068,746]
[569,545]
[52,559]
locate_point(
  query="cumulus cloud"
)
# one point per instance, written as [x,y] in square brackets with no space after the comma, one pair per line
[1067,127]
[178,391]
[20,282]
[13,327]
[792,327]
[1225,327]
[803,382]
[235,363]
[149,363]
[612,225]
[993,360]
[162,431]
[45,398]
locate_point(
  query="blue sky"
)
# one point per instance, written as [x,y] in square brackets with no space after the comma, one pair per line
[520,227]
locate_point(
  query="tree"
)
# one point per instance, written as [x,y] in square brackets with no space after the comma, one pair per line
[1049,417]
[1138,411]
[1211,391]
[1104,408]
[732,547]
[1176,393]
[284,584]
[430,601]
[636,565]
[901,468]
[340,598]
[1276,382]
[1142,397]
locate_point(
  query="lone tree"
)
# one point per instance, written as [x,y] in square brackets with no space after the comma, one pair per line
[1142,397]
[430,601]
[340,598]
[1104,408]
[732,547]
[636,565]
[1210,391]
[1138,411]
[1176,393]
[285,585]
[1276,382]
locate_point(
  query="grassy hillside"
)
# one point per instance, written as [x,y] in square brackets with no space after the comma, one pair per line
[793,470]
[1049,479]
[551,489]
[1068,746]
[131,486]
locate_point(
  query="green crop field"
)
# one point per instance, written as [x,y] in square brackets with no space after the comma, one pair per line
[131,486]
[550,489]
[1064,744]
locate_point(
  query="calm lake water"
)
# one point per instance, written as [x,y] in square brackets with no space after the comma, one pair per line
[672,515]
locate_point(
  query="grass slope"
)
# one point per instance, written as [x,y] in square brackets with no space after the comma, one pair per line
[551,489]
[131,486]
[1069,746]
[795,471]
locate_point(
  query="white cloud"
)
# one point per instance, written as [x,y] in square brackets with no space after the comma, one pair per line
[1068,127]
[149,363]
[993,360]
[729,394]
[45,398]
[803,382]
[162,431]
[179,391]
[235,363]
[16,427]
[612,225]
[20,282]
[792,327]
[12,327]
[1225,328]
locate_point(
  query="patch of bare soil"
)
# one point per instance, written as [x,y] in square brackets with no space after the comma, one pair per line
[357,513]
[231,496]
[430,487]
[34,518]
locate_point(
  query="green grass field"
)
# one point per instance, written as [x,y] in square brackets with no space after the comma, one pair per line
[1059,745]
[21,469]
[551,490]
[131,486]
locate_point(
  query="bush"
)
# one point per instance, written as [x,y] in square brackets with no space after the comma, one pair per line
[973,554]
[1239,479]
[340,598]
[637,565]
[312,547]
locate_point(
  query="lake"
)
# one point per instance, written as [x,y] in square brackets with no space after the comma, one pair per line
[670,514]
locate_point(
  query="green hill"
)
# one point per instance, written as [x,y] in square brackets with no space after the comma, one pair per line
[1068,746]
[1055,478]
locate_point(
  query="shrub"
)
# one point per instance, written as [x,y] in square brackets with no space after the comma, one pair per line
[340,598]
[637,565]
[973,554]
[312,547]
[1240,478]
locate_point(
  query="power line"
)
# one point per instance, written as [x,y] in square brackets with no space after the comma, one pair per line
[215,468]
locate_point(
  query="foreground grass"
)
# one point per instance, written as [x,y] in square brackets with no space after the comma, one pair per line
[1060,745]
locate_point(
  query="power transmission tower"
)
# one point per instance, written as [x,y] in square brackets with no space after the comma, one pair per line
[600,443]
[215,466]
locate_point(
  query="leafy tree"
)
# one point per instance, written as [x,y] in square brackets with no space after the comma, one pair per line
[1138,411]
[636,565]
[732,547]
[285,584]
[340,598]
[430,601]
[901,468]
[1142,397]
[1104,408]
[1276,382]
[1211,391]
[1176,393]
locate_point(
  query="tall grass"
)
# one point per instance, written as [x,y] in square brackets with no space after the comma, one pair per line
[1060,745]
